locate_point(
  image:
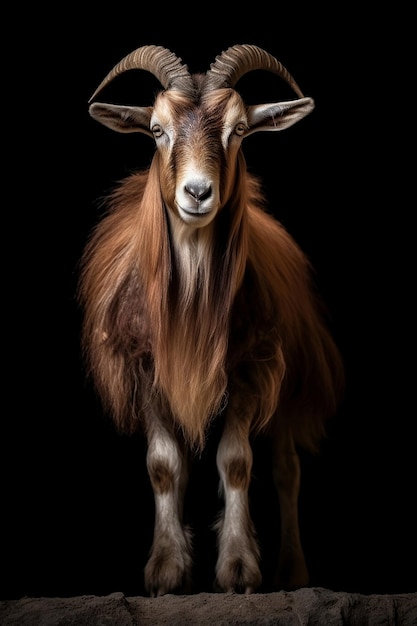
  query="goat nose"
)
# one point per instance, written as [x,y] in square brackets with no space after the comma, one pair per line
[198,190]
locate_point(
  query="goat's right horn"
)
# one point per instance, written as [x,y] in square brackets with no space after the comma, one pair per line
[238,60]
[169,69]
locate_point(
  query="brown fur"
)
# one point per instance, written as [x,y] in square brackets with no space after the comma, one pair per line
[197,302]
[251,306]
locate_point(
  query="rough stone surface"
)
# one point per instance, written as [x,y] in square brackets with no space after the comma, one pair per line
[310,606]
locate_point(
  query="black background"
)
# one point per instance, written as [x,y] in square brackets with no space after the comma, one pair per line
[76,505]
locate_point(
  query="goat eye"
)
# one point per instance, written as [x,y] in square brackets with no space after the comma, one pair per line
[157,130]
[240,129]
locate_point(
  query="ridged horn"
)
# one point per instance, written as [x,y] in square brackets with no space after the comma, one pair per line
[238,60]
[169,69]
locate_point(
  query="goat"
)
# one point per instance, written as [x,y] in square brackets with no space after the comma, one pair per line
[199,305]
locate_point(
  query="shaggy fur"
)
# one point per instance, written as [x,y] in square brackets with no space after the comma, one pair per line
[182,324]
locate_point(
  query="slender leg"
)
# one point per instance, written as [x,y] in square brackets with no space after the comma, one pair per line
[169,566]
[237,566]
[292,572]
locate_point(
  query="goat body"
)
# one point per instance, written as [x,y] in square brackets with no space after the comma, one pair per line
[198,304]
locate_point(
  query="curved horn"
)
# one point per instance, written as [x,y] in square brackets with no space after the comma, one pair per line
[169,69]
[238,60]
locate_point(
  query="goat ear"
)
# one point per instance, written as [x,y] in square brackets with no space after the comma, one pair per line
[123,119]
[278,115]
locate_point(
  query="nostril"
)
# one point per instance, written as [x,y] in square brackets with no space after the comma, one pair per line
[198,190]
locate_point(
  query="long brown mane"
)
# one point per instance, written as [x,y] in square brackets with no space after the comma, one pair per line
[140,305]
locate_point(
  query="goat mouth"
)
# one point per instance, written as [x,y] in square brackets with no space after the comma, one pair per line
[195,212]
[195,217]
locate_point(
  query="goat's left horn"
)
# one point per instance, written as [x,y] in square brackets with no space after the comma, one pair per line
[238,60]
[169,69]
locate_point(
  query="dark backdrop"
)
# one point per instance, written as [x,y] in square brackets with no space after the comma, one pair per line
[76,506]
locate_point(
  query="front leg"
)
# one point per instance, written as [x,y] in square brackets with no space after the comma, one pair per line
[168,569]
[237,566]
